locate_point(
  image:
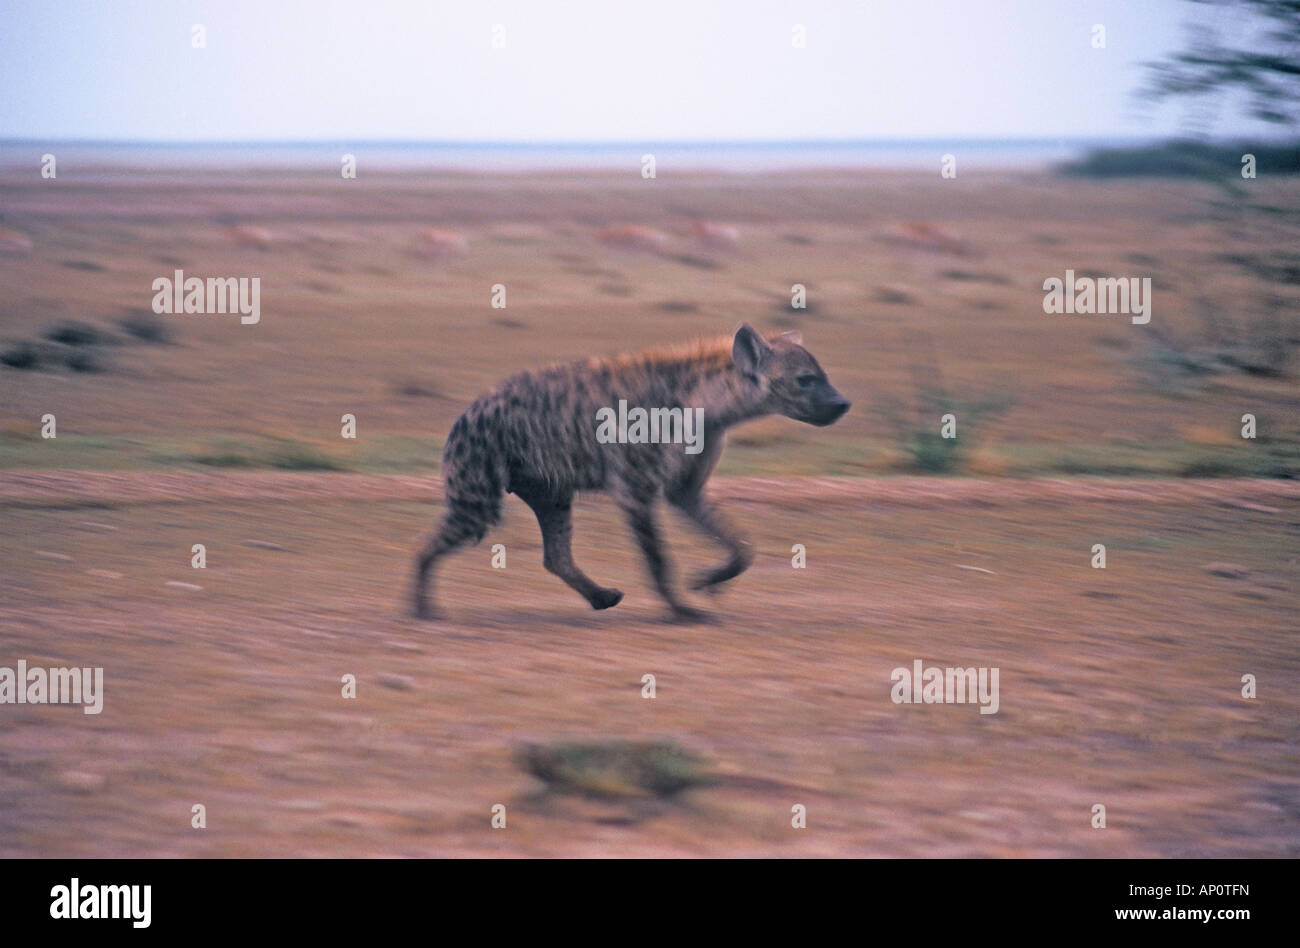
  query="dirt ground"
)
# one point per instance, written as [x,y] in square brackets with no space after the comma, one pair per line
[1119,687]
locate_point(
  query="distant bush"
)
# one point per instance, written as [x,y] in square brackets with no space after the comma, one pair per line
[228,459]
[83,360]
[76,334]
[921,438]
[300,458]
[918,427]
[287,456]
[614,769]
[931,453]
[146,328]
[1258,344]
[1277,459]
[22,355]
[1185,159]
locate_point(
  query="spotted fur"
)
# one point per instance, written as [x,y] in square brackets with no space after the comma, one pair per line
[535,436]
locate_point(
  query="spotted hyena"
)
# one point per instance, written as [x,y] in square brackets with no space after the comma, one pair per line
[539,436]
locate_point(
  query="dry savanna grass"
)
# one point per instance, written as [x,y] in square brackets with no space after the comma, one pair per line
[358,317]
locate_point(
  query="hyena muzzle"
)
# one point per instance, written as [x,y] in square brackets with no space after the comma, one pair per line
[536,436]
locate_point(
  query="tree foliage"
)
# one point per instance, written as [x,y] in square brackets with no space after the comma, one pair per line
[1262,64]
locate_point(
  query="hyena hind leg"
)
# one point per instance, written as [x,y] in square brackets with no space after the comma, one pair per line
[458,527]
[555,517]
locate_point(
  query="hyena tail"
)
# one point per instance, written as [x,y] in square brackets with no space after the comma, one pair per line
[474,478]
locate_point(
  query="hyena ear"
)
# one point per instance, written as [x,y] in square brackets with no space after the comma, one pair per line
[748,351]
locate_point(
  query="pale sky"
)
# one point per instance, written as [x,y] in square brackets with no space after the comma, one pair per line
[608,70]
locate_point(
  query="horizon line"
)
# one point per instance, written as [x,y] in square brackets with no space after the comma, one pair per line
[617,143]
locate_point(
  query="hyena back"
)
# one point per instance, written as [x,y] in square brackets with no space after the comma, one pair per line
[536,436]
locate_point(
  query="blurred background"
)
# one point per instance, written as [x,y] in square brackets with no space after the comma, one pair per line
[895,181]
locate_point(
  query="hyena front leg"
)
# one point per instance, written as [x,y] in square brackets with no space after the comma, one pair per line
[555,517]
[640,513]
[688,496]
[706,515]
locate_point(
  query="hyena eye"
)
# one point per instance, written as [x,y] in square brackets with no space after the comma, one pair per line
[807,381]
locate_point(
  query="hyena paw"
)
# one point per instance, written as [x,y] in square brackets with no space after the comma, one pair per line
[606,598]
[426,612]
[703,580]
[739,562]
[689,614]
[709,579]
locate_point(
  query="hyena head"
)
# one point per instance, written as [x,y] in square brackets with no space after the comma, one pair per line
[787,378]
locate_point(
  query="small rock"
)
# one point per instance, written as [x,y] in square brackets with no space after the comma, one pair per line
[249,235]
[14,243]
[924,235]
[441,246]
[404,646]
[1226,570]
[715,236]
[176,585]
[103,573]
[308,805]
[264,545]
[1247,505]
[634,237]
[894,294]
[79,781]
[396,682]
[46,554]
